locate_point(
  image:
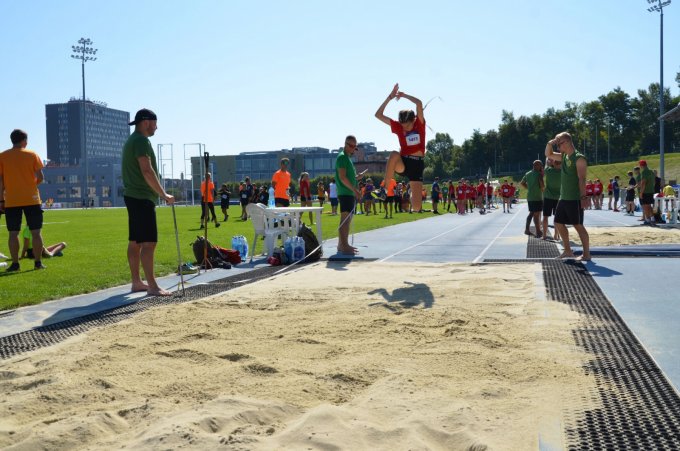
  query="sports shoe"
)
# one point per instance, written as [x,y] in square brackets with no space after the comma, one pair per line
[217,224]
[13,267]
[39,265]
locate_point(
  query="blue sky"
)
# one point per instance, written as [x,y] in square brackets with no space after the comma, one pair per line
[265,75]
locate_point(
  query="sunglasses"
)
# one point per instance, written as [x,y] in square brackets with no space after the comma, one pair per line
[351,146]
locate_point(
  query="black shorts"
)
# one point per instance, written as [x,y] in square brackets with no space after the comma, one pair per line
[244,202]
[647,199]
[630,196]
[141,220]
[224,204]
[413,168]
[304,199]
[283,202]
[535,206]
[549,206]
[389,199]
[569,212]
[334,201]
[347,203]
[33,213]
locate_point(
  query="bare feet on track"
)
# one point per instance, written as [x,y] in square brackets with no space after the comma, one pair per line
[581,258]
[348,251]
[139,287]
[564,255]
[158,292]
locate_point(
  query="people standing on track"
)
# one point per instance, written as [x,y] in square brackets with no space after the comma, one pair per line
[461,192]
[281,183]
[489,195]
[630,194]
[616,191]
[436,193]
[646,192]
[208,201]
[410,160]
[306,194]
[390,202]
[142,188]
[572,201]
[533,183]
[452,197]
[225,196]
[245,193]
[20,175]
[551,194]
[348,193]
[505,194]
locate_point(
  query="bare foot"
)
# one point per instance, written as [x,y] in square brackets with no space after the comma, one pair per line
[564,255]
[583,258]
[347,251]
[158,292]
[141,286]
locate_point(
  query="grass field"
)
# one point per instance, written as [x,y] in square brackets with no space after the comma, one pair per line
[97,242]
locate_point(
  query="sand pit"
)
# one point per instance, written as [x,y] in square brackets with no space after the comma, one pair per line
[332,356]
[624,236]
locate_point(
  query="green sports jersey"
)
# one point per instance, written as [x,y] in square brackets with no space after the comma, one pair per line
[553,181]
[649,179]
[135,185]
[344,161]
[569,189]
[532,180]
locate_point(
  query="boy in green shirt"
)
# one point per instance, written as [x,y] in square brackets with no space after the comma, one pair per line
[533,183]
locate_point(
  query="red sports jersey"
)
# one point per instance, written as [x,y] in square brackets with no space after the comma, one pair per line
[410,142]
[489,190]
[597,188]
[505,190]
[589,189]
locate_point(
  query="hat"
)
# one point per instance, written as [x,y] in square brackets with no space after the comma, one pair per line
[538,162]
[642,163]
[143,115]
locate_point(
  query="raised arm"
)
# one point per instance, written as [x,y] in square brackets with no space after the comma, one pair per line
[420,112]
[380,114]
[550,153]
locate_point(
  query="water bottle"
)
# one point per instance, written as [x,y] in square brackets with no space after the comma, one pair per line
[244,246]
[299,249]
[234,243]
[271,203]
[288,248]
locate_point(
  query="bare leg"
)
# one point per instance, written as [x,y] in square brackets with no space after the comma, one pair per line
[545,227]
[146,254]
[37,244]
[537,224]
[343,234]
[417,195]
[585,241]
[564,234]
[13,245]
[134,258]
[394,163]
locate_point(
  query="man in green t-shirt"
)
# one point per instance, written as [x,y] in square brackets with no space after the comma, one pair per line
[646,185]
[551,193]
[348,192]
[533,183]
[573,197]
[142,189]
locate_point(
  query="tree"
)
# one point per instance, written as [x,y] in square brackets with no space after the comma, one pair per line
[439,155]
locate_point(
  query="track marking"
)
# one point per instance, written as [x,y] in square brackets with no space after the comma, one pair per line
[479,257]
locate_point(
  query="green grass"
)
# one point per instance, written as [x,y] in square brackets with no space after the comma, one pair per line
[97,243]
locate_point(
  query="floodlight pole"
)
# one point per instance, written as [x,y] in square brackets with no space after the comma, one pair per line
[161,160]
[82,52]
[201,147]
[658,5]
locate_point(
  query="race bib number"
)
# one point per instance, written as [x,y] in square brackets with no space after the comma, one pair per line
[413,139]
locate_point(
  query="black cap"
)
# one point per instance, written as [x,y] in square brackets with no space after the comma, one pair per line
[143,115]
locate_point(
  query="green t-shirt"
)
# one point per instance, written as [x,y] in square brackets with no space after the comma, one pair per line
[532,179]
[649,178]
[553,181]
[569,189]
[135,185]
[343,161]
[26,234]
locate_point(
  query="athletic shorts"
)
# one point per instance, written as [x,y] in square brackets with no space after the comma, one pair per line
[413,168]
[489,199]
[630,196]
[33,213]
[647,199]
[334,201]
[569,212]
[244,202]
[389,199]
[141,220]
[347,203]
[368,197]
[304,199]
[616,195]
[224,204]
[281,201]
[535,206]
[549,206]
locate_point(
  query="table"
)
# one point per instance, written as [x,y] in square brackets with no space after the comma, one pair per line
[659,202]
[297,212]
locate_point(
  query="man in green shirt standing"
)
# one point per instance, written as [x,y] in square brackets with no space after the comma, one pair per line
[573,197]
[142,189]
[551,194]
[348,192]
[646,185]
[533,183]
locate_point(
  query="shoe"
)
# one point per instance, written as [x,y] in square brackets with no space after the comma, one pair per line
[59,254]
[217,224]
[39,265]
[13,267]
[3,256]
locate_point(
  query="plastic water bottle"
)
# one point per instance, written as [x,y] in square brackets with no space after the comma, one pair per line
[234,243]
[244,246]
[288,248]
[299,249]
[271,203]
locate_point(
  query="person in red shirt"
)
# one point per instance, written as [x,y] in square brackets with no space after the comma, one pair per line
[470,195]
[598,188]
[306,193]
[589,194]
[452,196]
[489,195]
[481,191]
[513,191]
[505,194]
[460,196]
[410,160]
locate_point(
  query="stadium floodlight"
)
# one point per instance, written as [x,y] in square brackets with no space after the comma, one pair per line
[658,6]
[82,52]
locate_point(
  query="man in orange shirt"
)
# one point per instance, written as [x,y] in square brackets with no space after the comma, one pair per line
[281,182]
[20,175]
[208,200]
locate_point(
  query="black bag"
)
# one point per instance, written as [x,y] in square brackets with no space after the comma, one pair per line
[313,250]
[198,247]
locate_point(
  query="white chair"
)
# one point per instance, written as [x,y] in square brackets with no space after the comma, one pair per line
[268,224]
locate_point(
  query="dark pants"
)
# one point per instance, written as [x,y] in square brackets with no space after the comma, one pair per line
[210,206]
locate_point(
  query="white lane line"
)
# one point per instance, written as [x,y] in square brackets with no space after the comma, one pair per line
[481,255]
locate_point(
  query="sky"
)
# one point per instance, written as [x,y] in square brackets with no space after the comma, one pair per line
[242,76]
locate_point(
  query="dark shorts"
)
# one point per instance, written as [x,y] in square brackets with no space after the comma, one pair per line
[549,206]
[630,196]
[368,197]
[282,202]
[535,206]
[304,199]
[413,168]
[33,213]
[569,212]
[389,199]
[334,201]
[347,203]
[647,199]
[616,195]
[244,202]
[141,220]
[224,204]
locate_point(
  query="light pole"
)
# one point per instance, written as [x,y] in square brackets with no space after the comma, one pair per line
[658,5]
[84,53]
[200,163]
[162,160]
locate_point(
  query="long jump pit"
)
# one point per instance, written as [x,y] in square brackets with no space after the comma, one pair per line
[348,355]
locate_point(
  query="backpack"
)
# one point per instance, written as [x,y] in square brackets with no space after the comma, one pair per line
[214,257]
[313,250]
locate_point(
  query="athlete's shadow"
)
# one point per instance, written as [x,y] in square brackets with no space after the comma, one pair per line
[410,296]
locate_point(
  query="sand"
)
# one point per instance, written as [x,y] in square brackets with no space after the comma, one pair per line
[331,356]
[624,236]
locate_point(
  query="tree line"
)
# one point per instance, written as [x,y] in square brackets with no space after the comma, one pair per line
[614,127]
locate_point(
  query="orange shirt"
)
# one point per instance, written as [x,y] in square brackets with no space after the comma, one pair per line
[390,188]
[282,181]
[17,169]
[211,191]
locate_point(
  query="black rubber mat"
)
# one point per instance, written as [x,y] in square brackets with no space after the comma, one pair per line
[48,335]
[539,248]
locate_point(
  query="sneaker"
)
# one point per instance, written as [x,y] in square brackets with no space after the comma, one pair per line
[39,265]
[217,224]
[13,267]
[59,254]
